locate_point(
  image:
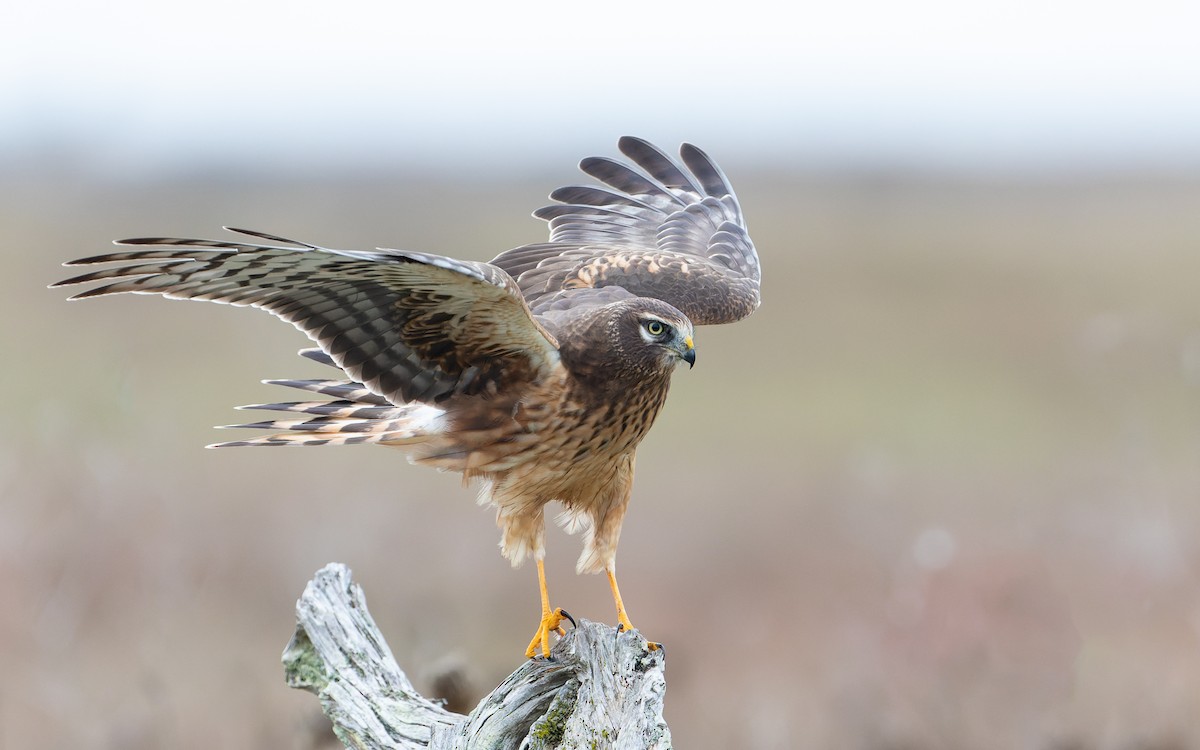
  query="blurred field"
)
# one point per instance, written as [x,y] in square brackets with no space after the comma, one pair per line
[941,491]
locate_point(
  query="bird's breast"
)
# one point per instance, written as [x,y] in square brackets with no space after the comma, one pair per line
[608,427]
[561,433]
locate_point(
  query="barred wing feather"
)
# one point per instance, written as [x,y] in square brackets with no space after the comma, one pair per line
[658,229]
[407,326]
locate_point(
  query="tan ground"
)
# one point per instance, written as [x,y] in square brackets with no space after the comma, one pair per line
[942,491]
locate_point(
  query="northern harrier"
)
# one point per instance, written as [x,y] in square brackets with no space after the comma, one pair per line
[538,373]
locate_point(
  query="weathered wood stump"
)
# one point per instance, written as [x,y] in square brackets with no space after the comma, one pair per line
[602,689]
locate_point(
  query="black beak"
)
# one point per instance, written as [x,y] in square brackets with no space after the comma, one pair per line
[690,357]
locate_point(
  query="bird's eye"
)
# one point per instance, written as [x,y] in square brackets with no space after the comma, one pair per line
[655,327]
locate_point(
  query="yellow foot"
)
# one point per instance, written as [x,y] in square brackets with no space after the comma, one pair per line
[625,625]
[623,618]
[551,623]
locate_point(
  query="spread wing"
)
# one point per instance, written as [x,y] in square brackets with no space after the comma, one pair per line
[408,326]
[659,229]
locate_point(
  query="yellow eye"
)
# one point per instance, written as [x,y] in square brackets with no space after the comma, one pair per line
[655,327]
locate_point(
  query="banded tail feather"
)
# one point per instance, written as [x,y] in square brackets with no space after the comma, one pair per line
[347,390]
[339,409]
[353,416]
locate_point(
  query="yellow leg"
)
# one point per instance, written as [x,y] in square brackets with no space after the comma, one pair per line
[551,620]
[622,617]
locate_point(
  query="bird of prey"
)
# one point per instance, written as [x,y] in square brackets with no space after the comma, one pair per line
[537,373]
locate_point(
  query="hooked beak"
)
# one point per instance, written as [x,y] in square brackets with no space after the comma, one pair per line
[689,354]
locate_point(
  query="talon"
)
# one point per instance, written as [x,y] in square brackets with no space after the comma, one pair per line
[541,639]
[551,620]
[567,615]
[650,645]
[564,614]
[623,623]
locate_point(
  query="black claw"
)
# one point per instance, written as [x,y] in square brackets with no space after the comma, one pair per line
[620,627]
[567,615]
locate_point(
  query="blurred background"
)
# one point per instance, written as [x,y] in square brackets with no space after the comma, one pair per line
[941,491]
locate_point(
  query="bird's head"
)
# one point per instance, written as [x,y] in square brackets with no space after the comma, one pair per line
[656,335]
[624,344]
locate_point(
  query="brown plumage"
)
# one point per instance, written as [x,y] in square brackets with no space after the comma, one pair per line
[538,373]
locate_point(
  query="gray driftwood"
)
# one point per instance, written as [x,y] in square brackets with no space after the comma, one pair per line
[601,690]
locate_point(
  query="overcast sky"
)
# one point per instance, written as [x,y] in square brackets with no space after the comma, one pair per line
[146,84]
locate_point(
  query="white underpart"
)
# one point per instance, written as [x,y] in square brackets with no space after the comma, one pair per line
[426,418]
[573,521]
[485,493]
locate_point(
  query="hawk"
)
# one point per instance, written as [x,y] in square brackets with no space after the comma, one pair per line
[537,373]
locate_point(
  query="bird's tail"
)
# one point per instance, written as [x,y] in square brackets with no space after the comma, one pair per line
[352,415]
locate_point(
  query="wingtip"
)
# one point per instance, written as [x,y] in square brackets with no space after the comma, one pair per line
[99,291]
[138,241]
[687,148]
[633,143]
[267,425]
[60,285]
